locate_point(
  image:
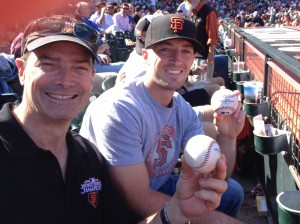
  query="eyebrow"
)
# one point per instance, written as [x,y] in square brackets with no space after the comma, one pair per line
[167,43]
[57,59]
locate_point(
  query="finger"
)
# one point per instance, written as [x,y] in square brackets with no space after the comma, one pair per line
[220,171]
[242,116]
[186,170]
[236,92]
[212,199]
[213,184]
[238,110]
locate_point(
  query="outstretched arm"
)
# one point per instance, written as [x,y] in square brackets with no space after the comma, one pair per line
[196,194]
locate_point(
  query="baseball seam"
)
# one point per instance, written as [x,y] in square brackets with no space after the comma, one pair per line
[207,155]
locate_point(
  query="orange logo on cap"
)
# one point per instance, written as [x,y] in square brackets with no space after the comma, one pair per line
[176,23]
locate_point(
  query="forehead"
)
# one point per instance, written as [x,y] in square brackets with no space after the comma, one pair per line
[176,42]
[66,51]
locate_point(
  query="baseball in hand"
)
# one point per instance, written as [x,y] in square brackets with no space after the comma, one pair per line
[202,153]
[224,102]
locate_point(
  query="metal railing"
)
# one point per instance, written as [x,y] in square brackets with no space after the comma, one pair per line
[280,74]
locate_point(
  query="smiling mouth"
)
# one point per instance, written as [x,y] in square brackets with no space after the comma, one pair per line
[175,72]
[60,97]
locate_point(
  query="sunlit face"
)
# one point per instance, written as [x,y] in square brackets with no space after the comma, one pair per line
[110,10]
[125,10]
[191,4]
[170,63]
[57,80]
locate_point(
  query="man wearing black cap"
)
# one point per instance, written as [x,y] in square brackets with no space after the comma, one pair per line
[49,174]
[142,126]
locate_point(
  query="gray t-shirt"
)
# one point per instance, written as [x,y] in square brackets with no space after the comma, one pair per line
[129,127]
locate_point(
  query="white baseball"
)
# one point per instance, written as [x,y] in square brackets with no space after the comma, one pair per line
[224,102]
[202,153]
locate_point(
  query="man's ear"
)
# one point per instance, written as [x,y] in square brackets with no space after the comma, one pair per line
[145,54]
[21,67]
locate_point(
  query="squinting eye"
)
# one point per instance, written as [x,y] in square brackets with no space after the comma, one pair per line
[164,50]
[187,51]
[82,68]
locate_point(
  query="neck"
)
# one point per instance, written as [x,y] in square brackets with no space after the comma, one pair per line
[46,134]
[42,131]
[160,94]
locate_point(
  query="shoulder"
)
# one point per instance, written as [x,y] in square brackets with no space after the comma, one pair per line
[121,97]
[93,16]
[84,146]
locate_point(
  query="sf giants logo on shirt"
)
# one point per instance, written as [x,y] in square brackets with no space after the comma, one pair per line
[91,187]
[176,24]
[162,157]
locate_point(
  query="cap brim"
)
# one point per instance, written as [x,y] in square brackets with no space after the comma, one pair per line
[196,44]
[56,38]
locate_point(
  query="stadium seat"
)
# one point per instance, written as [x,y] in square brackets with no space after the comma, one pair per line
[109,83]
[77,121]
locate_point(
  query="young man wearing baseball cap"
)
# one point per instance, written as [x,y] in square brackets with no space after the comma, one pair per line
[51,175]
[142,126]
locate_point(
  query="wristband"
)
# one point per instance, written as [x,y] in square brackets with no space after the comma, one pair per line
[164,215]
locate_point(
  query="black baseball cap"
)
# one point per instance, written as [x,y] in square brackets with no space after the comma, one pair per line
[59,28]
[140,27]
[170,27]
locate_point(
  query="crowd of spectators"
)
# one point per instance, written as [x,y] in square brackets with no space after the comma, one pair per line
[244,13]
[285,12]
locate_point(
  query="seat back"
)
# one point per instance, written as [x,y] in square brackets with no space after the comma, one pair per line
[129,35]
[8,98]
[221,68]
[109,83]
[77,121]
[111,40]
[120,36]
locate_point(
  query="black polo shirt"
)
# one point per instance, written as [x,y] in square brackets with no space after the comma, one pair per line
[32,189]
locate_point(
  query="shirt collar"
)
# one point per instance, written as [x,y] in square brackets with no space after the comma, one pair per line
[16,140]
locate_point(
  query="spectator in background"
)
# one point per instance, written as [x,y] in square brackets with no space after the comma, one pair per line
[95,18]
[130,16]
[121,19]
[146,10]
[107,19]
[257,20]
[138,13]
[183,8]
[104,68]
[206,21]
[237,21]
[83,12]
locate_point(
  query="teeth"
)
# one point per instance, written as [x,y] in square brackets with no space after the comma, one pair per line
[174,71]
[60,97]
